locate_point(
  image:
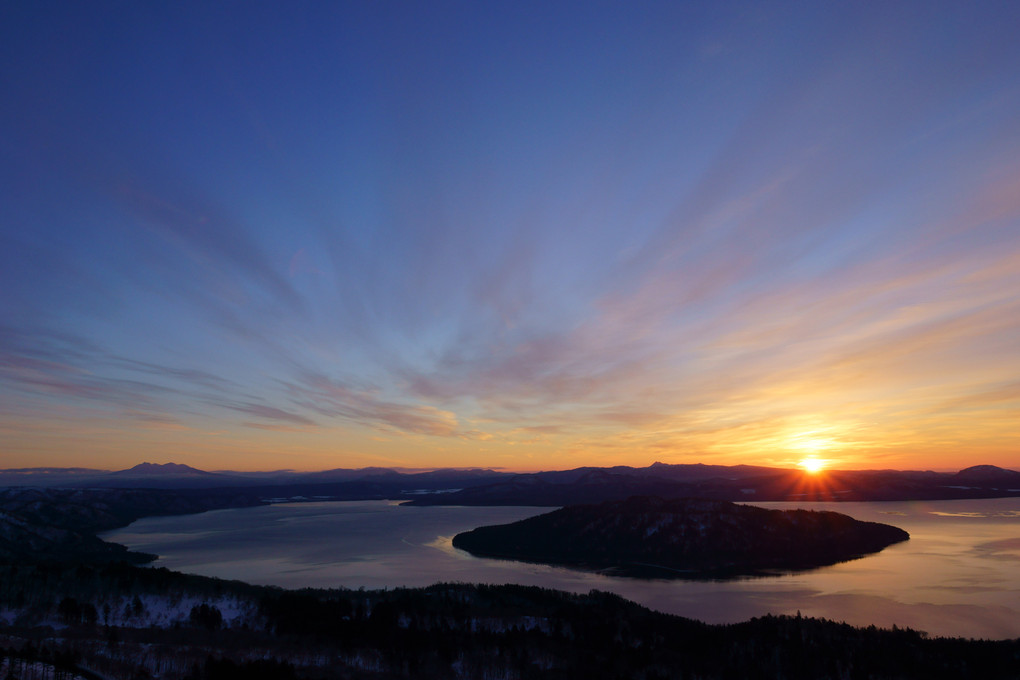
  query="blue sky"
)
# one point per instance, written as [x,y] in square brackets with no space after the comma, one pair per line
[524,235]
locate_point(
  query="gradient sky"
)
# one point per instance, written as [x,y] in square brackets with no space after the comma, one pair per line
[509,234]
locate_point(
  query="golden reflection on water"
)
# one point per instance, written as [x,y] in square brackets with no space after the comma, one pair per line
[959,574]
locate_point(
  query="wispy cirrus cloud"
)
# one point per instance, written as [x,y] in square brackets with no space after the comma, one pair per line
[334,399]
[271,413]
[807,234]
[207,236]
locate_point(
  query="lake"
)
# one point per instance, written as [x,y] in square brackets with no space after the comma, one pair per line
[958,575]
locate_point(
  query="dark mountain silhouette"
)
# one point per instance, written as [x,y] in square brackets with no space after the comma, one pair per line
[684,538]
[345,474]
[988,474]
[739,483]
[550,488]
[163,476]
[161,469]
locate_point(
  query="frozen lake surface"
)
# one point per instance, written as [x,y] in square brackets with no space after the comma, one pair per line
[959,574]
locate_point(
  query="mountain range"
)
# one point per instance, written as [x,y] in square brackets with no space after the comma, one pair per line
[480,486]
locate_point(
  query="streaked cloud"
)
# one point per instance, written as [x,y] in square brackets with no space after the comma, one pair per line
[662,235]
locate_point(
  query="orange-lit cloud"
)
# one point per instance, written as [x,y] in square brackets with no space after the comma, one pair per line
[747,253]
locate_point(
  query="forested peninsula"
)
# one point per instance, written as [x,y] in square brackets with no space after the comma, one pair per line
[682,538]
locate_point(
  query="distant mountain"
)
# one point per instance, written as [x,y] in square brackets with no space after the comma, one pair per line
[553,488]
[685,538]
[161,470]
[666,471]
[163,476]
[700,471]
[988,474]
[739,483]
[345,474]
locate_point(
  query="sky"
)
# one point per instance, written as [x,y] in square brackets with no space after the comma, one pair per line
[518,235]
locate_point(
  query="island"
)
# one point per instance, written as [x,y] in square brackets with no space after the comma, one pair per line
[682,538]
[71,609]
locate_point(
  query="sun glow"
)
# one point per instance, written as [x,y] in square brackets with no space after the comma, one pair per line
[810,442]
[812,465]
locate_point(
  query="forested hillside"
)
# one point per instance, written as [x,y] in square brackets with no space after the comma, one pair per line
[124,621]
[682,538]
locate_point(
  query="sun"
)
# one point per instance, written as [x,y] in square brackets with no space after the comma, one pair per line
[812,465]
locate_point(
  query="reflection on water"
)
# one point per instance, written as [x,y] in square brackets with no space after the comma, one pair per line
[1001,513]
[958,575]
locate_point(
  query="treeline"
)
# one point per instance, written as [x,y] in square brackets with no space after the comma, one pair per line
[456,631]
[31,662]
[32,585]
[526,632]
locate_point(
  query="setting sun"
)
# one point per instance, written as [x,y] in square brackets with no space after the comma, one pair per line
[812,465]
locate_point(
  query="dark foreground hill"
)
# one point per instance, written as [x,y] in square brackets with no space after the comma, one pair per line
[129,622]
[682,538]
[54,525]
